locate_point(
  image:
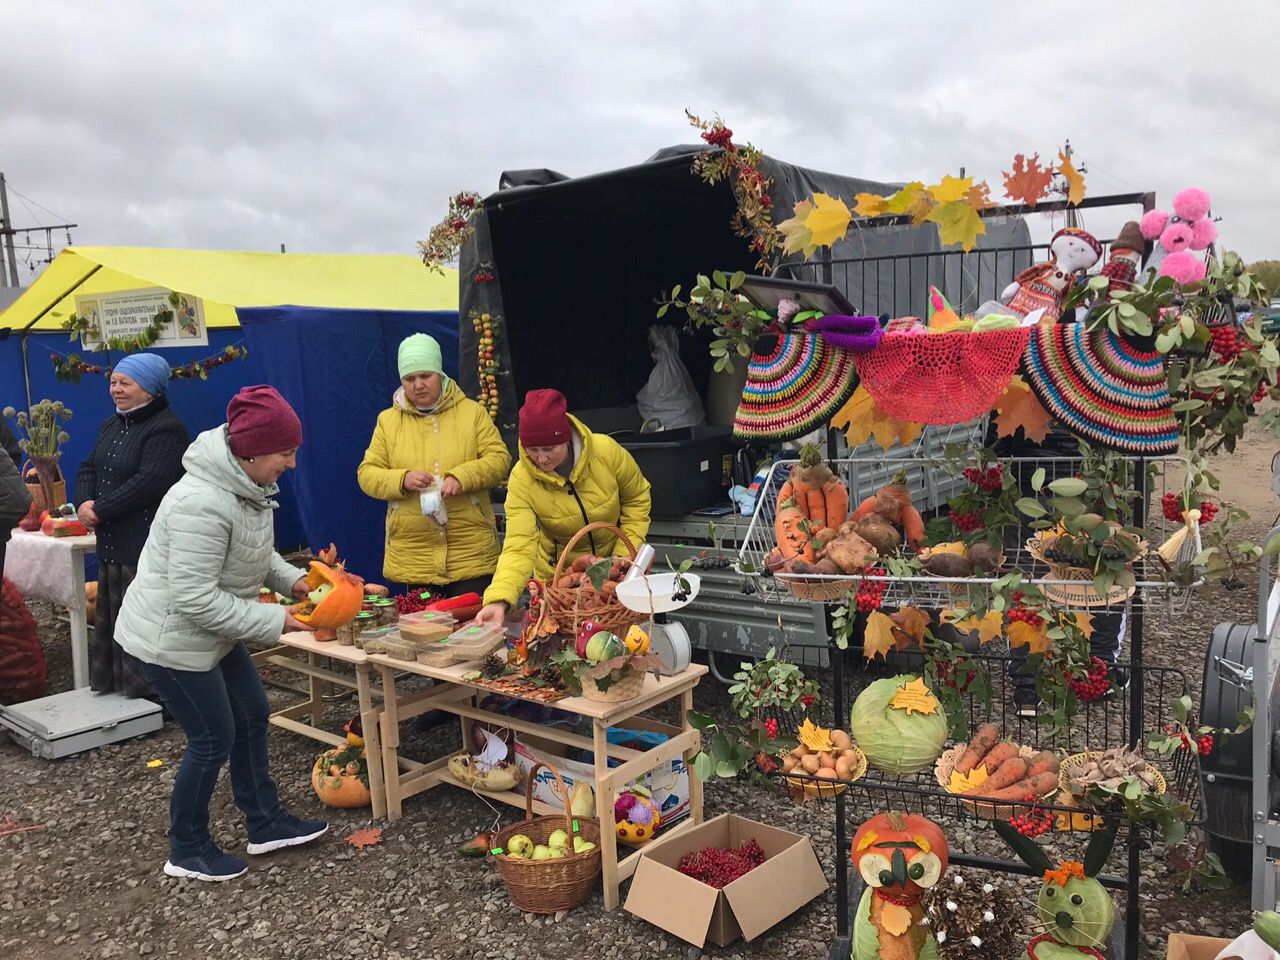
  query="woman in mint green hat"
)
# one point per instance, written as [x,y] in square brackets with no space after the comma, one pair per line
[434,456]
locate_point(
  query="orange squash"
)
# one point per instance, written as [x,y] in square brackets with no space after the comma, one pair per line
[337,776]
[339,606]
[900,855]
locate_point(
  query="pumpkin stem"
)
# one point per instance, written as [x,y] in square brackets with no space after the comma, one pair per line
[896,821]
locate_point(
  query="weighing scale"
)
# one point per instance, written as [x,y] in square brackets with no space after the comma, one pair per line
[654,595]
[79,720]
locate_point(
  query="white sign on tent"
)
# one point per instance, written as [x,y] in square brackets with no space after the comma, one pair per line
[126,313]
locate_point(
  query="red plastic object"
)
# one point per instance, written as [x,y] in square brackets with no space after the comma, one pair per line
[22,665]
[456,603]
[941,378]
[63,527]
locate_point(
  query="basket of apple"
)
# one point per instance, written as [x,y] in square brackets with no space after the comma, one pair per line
[605,667]
[548,863]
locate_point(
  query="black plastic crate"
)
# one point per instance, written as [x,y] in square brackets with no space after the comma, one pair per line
[685,467]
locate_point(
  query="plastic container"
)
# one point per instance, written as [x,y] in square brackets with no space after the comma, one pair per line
[472,642]
[399,648]
[685,468]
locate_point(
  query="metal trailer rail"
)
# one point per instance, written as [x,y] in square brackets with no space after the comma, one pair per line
[1266,839]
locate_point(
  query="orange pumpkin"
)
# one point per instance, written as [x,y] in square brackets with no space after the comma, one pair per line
[900,855]
[336,777]
[340,605]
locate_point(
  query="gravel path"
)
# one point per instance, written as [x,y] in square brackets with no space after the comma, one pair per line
[89,884]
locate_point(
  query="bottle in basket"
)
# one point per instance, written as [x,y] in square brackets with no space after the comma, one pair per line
[641,564]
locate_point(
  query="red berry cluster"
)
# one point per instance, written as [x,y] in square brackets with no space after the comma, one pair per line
[717,867]
[870,592]
[949,673]
[991,479]
[1260,394]
[414,601]
[1226,343]
[1032,823]
[967,522]
[1018,613]
[1208,510]
[1203,743]
[771,728]
[719,137]
[1093,686]
[1171,503]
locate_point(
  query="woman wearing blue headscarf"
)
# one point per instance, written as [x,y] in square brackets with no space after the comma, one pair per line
[137,458]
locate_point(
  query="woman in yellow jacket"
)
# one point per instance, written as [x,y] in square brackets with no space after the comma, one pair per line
[567,477]
[435,439]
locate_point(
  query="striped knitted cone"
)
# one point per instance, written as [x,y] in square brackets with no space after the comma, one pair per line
[1102,387]
[793,389]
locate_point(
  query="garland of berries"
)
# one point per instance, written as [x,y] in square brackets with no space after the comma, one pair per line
[948,673]
[1020,613]
[72,367]
[485,325]
[1203,743]
[753,217]
[871,592]
[1173,506]
[991,479]
[144,338]
[446,237]
[1095,684]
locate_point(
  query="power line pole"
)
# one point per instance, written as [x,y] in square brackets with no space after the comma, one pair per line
[6,233]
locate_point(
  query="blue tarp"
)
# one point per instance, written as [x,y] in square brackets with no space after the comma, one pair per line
[338,370]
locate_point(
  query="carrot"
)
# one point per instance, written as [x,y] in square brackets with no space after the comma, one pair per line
[986,738]
[790,527]
[1010,772]
[1044,762]
[912,526]
[998,755]
[1036,786]
[836,495]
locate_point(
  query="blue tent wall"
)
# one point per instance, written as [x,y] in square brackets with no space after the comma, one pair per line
[338,370]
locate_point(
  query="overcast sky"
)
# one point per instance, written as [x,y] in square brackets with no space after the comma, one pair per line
[344,127]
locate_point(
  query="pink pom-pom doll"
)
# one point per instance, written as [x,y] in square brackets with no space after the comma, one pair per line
[1187,229]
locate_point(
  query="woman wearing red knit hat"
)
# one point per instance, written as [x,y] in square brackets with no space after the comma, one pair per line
[192,608]
[567,477]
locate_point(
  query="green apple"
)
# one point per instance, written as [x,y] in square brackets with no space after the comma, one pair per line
[582,846]
[605,646]
[520,846]
[319,593]
[542,852]
[559,839]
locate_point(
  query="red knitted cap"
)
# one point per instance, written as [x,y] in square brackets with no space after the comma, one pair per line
[544,421]
[261,422]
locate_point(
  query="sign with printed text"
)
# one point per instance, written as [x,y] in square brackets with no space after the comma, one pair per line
[126,313]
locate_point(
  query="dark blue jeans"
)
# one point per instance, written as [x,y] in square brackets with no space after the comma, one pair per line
[224,713]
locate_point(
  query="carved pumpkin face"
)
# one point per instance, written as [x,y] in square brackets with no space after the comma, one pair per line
[900,856]
[1081,912]
[341,601]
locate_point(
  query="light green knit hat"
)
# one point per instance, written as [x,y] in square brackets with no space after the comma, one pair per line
[419,353]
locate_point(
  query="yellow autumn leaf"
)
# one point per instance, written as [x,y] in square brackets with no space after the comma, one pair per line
[915,697]
[813,737]
[1075,180]
[1034,638]
[1084,621]
[951,189]
[868,205]
[890,432]
[957,223]
[955,547]
[155,763]
[799,238]
[878,636]
[989,626]
[861,419]
[1019,408]
[968,782]
[910,195]
[828,221]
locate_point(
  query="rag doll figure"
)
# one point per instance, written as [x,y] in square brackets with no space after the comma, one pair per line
[1045,285]
[1121,267]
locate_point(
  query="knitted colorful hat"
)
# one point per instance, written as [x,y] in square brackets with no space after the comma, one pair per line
[1103,388]
[792,389]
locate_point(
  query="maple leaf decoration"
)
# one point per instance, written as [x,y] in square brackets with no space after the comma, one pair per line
[861,419]
[915,697]
[798,236]
[828,221]
[951,189]
[1075,181]
[957,223]
[1019,408]
[1029,181]
[813,737]
[913,200]
[368,837]
[967,782]
[989,627]
[1035,637]
[877,638]
[909,625]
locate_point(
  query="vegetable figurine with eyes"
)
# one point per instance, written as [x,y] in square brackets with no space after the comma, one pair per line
[1073,904]
[899,856]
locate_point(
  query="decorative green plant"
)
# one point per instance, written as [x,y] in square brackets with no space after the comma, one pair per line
[714,304]
[40,433]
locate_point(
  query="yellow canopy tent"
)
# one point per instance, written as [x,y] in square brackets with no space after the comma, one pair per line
[225,280]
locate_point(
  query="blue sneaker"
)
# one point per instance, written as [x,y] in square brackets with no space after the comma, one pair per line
[214,866]
[287,831]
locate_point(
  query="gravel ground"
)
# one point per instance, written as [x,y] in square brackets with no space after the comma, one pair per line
[89,883]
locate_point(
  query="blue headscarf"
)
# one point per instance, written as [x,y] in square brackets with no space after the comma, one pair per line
[147,370]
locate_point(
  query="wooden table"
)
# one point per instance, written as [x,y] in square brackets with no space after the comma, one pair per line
[313,706]
[453,693]
[52,568]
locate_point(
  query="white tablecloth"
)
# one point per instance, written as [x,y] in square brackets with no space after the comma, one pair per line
[48,568]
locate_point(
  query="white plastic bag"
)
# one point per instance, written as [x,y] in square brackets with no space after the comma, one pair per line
[669,397]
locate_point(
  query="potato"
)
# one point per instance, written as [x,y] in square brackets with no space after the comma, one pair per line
[799,752]
[810,763]
[789,764]
[849,754]
[824,536]
[985,558]
[841,740]
[827,566]
[851,553]
[844,768]
[826,773]
[581,563]
[948,565]
[803,567]
[880,534]
[774,560]
[616,571]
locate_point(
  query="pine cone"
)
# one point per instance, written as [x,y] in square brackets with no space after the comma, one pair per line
[963,909]
[551,675]
[493,666]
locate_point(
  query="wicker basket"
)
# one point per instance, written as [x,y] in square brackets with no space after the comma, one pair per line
[565,606]
[811,787]
[58,488]
[1080,591]
[1064,779]
[988,810]
[628,687]
[549,886]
